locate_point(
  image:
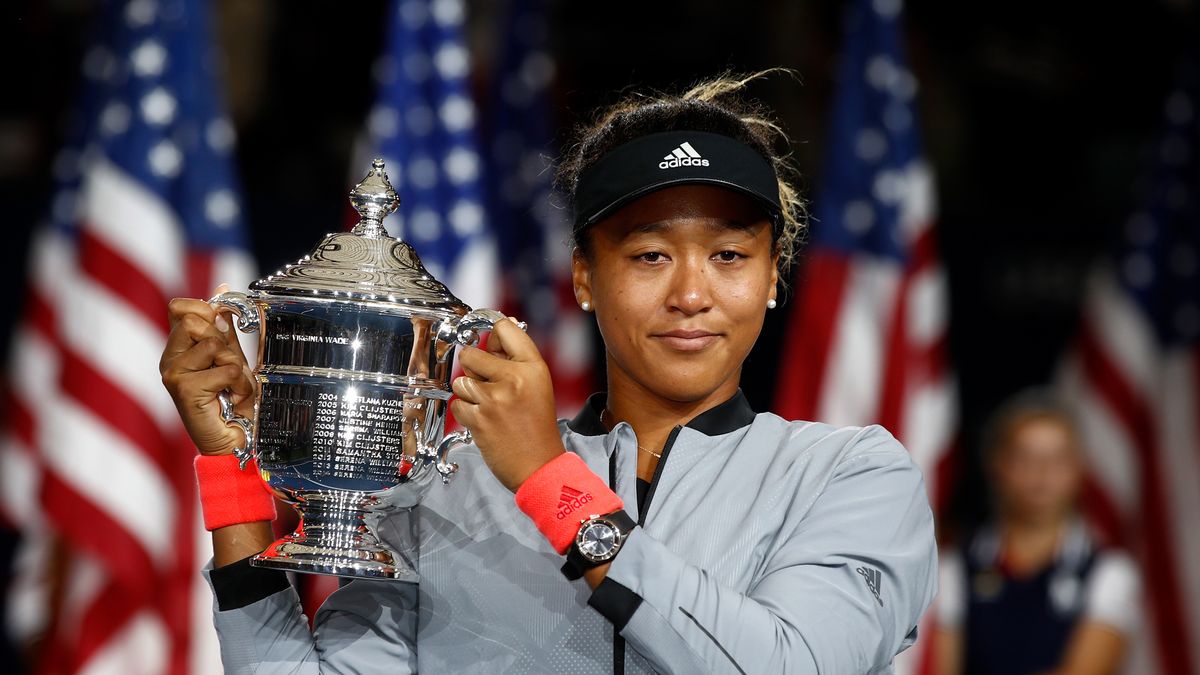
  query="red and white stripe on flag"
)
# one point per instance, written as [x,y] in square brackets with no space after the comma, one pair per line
[94,465]
[1138,407]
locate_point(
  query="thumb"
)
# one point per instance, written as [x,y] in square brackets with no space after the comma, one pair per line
[513,341]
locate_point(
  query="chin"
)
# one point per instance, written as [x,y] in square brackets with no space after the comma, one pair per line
[684,385]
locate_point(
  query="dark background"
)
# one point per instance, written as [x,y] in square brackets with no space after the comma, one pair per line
[1038,117]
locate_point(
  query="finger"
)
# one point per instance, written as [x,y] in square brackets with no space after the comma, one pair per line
[464,413]
[189,329]
[206,384]
[178,308]
[494,347]
[515,342]
[469,389]
[483,365]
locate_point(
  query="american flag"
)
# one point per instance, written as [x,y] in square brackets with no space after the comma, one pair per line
[867,336]
[1134,377]
[532,232]
[424,126]
[95,463]
[867,339]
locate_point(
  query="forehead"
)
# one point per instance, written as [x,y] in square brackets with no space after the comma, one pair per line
[718,207]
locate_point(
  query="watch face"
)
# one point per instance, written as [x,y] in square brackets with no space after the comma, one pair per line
[597,540]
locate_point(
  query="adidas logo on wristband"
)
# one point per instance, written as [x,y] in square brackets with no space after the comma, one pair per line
[570,500]
[684,155]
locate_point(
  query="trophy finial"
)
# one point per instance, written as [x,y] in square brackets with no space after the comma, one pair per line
[374,199]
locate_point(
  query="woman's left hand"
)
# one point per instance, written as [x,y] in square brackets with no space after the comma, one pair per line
[506,399]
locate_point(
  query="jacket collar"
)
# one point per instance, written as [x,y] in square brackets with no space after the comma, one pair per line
[717,420]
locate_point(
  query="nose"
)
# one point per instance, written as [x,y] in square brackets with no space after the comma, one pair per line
[691,289]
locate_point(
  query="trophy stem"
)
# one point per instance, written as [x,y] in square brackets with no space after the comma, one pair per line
[335,537]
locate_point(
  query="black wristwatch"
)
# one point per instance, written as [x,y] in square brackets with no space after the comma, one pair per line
[598,540]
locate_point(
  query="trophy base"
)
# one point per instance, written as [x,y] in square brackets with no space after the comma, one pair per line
[333,538]
[354,563]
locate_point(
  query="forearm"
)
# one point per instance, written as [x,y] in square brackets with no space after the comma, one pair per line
[235,542]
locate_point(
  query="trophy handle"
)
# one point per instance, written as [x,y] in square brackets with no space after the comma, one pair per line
[247,321]
[442,454]
[465,329]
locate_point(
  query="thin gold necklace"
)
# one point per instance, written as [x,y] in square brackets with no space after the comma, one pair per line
[657,455]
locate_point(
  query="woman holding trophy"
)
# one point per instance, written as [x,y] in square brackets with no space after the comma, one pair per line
[667,527]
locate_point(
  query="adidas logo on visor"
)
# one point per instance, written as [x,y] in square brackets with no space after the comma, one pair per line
[684,155]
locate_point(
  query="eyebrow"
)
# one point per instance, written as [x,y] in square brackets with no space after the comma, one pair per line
[660,226]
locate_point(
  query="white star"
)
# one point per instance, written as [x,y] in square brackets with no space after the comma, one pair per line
[416,66]
[466,218]
[114,119]
[448,12]
[451,61]
[888,9]
[859,216]
[462,165]
[383,121]
[425,225]
[419,119]
[537,70]
[870,145]
[888,186]
[165,159]
[139,13]
[423,173]
[219,134]
[457,113]
[158,107]
[221,208]
[148,59]
[414,13]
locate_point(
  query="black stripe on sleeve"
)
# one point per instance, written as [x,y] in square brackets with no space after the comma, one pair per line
[615,602]
[240,584]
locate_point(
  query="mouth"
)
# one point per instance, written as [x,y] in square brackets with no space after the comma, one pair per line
[687,340]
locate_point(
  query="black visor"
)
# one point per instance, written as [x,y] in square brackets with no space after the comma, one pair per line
[671,158]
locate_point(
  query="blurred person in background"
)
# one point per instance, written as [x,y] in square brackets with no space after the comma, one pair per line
[1033,590]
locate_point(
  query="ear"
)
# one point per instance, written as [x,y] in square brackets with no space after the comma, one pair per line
[581,276]
[774,275]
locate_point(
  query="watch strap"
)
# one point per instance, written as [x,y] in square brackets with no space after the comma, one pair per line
[576,563]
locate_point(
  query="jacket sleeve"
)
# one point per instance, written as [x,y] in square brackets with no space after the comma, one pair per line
[841,591]
[363,627]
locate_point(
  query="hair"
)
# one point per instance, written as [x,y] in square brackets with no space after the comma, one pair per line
[715,106]
[1029,405]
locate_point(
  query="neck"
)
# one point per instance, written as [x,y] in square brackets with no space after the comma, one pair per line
[653,416]
[1031,543]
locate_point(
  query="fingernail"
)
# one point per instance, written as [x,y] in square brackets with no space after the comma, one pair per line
[221,288]
[222,324]
[513,319]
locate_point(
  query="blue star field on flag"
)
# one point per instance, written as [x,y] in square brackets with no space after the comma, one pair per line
[424,126]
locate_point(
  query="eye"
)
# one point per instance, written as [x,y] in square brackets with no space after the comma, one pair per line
[651,257]
[729,256]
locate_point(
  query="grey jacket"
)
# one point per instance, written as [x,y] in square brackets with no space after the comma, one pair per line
[766,546]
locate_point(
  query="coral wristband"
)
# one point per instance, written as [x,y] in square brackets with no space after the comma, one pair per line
[230,495]
[561,495]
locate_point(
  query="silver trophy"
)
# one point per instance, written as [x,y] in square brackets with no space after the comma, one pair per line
[354,366]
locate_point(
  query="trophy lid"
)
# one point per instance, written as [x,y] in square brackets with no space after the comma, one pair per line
[365,264]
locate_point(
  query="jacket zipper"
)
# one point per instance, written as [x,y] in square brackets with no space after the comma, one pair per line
[643,509]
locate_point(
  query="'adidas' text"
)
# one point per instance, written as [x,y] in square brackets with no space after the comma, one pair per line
[684,155]
[570,500]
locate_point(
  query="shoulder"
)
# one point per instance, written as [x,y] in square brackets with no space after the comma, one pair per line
[831,447]
[1114,591]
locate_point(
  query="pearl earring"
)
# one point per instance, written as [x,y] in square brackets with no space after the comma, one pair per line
[771,303]
[585,306]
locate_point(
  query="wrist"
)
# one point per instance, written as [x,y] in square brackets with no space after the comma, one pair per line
[560,495]
[230,495]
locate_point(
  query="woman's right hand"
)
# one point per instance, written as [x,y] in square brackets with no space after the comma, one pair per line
[202,358]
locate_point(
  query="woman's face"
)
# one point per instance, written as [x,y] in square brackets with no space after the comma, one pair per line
[679,281]
[1038,471]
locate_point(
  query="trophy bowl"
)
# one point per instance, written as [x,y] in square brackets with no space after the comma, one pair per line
[354,361]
